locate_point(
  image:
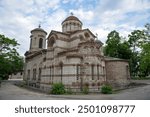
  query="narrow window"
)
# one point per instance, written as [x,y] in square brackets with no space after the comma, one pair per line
[34,74]
[77,71]
[39,78]
[92,69]
[61,66]
[40,43]
[98,72]
[28,76]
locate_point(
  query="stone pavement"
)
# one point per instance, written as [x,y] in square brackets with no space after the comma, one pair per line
[9,91]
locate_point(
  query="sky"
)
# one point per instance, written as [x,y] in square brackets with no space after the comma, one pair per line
[19,17]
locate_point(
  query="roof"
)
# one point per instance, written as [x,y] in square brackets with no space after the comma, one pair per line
[99,42]
[114,59]
[39,29]
[71,18]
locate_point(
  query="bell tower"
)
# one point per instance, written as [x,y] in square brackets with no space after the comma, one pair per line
[37,39]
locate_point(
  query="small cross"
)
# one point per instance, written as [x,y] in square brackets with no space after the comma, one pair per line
[39,25]
[71,13]
[96,36]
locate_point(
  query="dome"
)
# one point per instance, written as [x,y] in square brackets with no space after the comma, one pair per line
[71,24]
[98,42]
[39,29]
[71,18]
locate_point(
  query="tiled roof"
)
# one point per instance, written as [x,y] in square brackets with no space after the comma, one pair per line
[71,18]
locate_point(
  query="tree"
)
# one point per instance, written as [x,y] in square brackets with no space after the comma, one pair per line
[145,60]
[112,43]
[136,50]
[10,60]
[145,53]
[135,41]
[116,46]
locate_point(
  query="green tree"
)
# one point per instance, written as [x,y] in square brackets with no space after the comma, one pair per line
[145,53]
[135,41]
[112,43]
[116,46]
[145,60]
[10,60]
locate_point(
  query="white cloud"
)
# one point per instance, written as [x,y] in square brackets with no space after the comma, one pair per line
[72,1]
[84,15]
[19,17]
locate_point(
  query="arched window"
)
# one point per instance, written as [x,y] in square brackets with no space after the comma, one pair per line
[39,77]
[86,35]
[51,42]
[40,43]
[28,75]
[34,74]
[98,71]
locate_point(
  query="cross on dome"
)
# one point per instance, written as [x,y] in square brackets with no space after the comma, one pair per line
[39,25]
[71,13]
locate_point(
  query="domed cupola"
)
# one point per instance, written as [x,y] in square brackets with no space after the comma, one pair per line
[71,24]
[38,39]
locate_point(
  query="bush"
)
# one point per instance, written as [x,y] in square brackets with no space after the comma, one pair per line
[58,88]
[85,90]
[106,89]
[69,91]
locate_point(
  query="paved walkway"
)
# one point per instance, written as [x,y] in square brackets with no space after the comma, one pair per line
[8,91]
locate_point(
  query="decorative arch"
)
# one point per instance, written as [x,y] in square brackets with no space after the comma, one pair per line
[51,41]
[86,35]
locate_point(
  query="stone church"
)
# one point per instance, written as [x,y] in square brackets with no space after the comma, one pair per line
[73,57]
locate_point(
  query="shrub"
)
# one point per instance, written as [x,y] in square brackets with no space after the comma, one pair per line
[106,89]
[69,91]
[85,90]
[58,88]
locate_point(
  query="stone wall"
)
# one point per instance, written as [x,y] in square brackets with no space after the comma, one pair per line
[117,72]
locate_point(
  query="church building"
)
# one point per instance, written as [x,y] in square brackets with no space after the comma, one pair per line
[73,57]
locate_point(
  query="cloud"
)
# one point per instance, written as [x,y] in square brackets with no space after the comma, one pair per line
[84,15]
[19,17]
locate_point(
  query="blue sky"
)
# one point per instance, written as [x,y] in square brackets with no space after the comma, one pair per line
[19,17]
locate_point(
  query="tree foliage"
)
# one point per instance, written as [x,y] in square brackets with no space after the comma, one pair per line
[136,49]
[116,46]
[10,60]
[144,65]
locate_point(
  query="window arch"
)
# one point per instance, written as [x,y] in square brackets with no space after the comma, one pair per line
[40,43]
[51,42]
[86,35]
